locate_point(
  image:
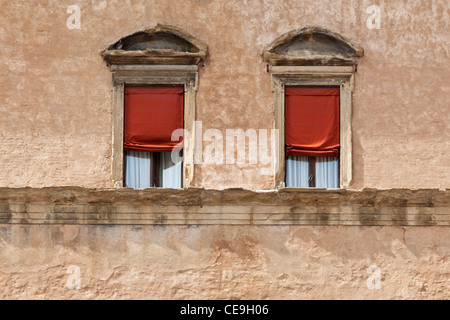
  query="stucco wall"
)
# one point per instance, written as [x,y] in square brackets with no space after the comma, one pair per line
[56,102]
[55,120]
[223,262]
[191,250]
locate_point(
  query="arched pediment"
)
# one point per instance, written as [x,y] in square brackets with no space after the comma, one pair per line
[312,46]
[163,44]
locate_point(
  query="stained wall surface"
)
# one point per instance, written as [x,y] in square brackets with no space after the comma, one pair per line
[218,262]
[56,129]
[56,98]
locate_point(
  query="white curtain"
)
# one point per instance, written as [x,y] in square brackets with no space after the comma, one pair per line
[327,173]
[169,172]
[137,171]
[297,172]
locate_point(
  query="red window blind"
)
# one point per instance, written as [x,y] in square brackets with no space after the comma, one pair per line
[312,121]
[151,116]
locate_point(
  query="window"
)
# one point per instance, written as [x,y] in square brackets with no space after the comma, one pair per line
[312,137]
[152,156]
[153,68]
[312,80]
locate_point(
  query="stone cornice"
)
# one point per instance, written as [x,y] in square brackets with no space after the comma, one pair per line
[369,207]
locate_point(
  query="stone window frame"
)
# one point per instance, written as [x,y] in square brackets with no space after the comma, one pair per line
[342,77]
[163,55]
[313,56]
[151,75]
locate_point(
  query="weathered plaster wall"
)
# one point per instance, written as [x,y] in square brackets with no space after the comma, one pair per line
[55,97]
[78,227]
[217,262]
[55,130]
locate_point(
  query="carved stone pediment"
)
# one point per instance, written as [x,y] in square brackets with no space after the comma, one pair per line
[312,46]
[163,44]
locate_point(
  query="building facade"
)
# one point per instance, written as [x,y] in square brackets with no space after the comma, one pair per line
[235,227]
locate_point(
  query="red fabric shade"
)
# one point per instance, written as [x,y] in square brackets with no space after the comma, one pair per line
[151,116]
[312,121]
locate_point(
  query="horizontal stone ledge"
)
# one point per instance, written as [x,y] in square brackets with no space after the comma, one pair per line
[184,222]
[74,205]
[145,210]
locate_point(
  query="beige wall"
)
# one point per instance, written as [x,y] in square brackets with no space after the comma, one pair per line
[55,97]
[55,120]
[218,262]
[274,253]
